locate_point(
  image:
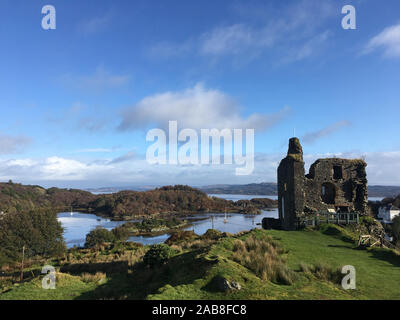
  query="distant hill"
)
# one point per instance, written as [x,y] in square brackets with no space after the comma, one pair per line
[383,191]
[265,188]
[104,190]
[270,188]
[15,197]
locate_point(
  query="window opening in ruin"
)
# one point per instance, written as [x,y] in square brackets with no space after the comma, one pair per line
[328,193]
[337,172]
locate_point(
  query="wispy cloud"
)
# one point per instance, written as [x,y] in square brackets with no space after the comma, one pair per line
[92,124]
[94,150]
[195,108]
[99,81]
[78,116]
[126,157]
[298,28]
[13,144]
[314,136]
[94,25]
[388,40]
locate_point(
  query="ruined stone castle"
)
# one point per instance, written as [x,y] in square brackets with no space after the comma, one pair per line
[332,185]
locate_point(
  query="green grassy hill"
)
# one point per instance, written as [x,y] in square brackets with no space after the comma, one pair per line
[295,265]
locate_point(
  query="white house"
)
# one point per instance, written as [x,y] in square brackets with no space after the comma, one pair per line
[387,213]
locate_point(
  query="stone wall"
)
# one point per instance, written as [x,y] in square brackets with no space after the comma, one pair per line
[333,183]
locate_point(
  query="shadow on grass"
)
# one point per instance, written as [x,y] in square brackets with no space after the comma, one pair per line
[142,280]
[337,233]
[105,267]
[15,275]
[341,246]
[385,255]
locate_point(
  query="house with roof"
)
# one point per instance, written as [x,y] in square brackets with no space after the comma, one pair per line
[388,213]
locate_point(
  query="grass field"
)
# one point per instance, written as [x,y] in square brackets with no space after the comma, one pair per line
[191,274]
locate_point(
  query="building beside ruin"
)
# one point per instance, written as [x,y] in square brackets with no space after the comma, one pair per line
[387,213]
[332,185]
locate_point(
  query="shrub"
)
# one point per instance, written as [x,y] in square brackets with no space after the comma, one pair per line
[180,236]
[158,254]
[98,236]
[212,234]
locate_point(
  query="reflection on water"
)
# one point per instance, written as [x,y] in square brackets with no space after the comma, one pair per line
[78,225]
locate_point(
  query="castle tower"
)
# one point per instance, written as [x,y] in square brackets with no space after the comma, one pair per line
[291,179]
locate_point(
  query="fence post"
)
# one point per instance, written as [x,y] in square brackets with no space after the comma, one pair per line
[22,264]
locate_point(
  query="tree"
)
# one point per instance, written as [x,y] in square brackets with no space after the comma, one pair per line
[158,254]
[120,233]
[97,236]
[396,229]
[38,230]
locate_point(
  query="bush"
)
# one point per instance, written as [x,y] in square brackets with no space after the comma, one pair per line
[98,236]
[212,234]
[158,254]
[181,236]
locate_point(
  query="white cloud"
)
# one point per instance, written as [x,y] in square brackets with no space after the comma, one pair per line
[195,108]
[388,40]
[383,169]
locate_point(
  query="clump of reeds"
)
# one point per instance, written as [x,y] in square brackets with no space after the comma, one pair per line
[264,258]
[98,277]
[323,272]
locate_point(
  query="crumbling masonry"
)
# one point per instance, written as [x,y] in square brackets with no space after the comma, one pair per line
[332,184]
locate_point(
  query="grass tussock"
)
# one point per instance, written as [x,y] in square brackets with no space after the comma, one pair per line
[322,272]
[264,258]
[98,277]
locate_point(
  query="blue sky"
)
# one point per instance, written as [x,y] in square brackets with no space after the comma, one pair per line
[78,101]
